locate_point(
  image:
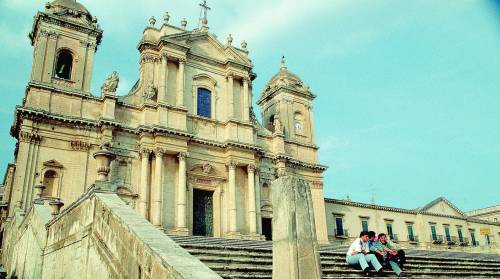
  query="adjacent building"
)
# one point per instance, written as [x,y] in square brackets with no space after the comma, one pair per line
[437,225]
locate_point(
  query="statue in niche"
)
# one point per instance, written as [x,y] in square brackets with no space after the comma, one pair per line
[149,92]
[111,84]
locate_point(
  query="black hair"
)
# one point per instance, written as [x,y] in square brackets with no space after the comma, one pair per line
[363,233]
[371,234]
[381,234]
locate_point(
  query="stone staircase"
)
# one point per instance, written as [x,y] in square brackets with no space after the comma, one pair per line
[236,258]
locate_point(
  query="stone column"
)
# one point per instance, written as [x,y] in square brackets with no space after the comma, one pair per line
[50,57]
[41,46]
[162,87]
[230,97]
[252,218]
[181,195]
[232,197]
[311,123]
[246,101]
[180,83]
[156,190]
[143,190]
[89,67]
[295,248]
[257,200]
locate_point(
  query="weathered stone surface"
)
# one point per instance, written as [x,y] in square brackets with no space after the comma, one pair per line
[295,247]
[97,237]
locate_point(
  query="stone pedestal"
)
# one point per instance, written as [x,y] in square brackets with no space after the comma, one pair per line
[295,247]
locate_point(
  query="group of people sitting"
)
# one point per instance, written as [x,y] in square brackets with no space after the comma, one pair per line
[377,251]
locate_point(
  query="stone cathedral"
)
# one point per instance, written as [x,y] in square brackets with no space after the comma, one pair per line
[191,157]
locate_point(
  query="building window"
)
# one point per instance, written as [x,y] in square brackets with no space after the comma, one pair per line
[411,235]
[49,181]
[339,227]
[433,232]
[460,235]
[204,104]
[389,231]
[64,64]
[473,238]
[447,232]
[298,123]
[364,225]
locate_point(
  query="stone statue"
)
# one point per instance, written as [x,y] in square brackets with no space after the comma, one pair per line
[111,84]
[149,92]
[277,124]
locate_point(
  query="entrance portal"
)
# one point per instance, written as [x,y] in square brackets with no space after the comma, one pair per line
[267,228]
[202,213]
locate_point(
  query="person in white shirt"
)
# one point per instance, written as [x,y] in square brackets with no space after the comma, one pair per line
[359,254]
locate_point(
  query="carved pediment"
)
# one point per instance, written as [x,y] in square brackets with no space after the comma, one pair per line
[205,169]
[53,164]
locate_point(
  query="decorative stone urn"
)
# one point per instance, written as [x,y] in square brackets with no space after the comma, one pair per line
[39,190]
[55,206]
[104,158]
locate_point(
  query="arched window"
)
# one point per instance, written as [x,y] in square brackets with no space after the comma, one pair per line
[49,181]
[298,123]
[204,105]
[271,123]
[64,64]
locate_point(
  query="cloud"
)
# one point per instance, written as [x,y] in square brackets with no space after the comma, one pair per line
[268,18]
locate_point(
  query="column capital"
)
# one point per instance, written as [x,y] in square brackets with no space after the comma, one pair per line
[182,156]
[229,76]
[251,168]
[182,60]
[145,151]
[232,164]
[159,152]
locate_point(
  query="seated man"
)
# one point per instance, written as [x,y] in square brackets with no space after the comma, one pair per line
[359,253]
[372,238]
[395,258]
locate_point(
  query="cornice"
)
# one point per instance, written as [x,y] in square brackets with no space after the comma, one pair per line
[51,87]
[407,211]
[292,141]
[93,31]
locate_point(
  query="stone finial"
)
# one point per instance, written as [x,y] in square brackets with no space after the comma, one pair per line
[229,39]
[39,189]
[244,44]
[184,23]
[166,18]
[55,206]
[152,21]
[104,158]
[283,66]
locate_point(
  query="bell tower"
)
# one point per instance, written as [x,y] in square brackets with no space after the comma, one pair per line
[65,37]
[286,105]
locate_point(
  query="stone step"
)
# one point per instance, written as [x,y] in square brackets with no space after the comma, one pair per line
[243,253]
[237,258]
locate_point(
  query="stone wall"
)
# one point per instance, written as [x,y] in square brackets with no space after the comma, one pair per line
[98,236]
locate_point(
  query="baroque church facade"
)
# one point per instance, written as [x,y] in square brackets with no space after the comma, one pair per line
[191,157]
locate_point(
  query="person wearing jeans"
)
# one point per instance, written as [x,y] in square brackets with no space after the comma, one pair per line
[359,254]
[395,258]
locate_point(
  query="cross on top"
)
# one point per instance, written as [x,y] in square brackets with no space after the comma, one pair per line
[204,8]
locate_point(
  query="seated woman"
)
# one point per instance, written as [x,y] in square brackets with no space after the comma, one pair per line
[395,258]
[359,254]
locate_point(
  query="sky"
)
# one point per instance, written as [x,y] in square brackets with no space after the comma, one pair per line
[408,92]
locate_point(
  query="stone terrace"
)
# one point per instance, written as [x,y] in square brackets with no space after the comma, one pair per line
[233,258]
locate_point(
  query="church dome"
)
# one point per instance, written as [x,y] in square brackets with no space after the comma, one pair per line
[71,10]
[285,79]
[284,75]
[70,4]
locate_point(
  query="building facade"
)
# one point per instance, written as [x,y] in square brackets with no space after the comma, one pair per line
[491,213]
[191,156]
[437,225]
